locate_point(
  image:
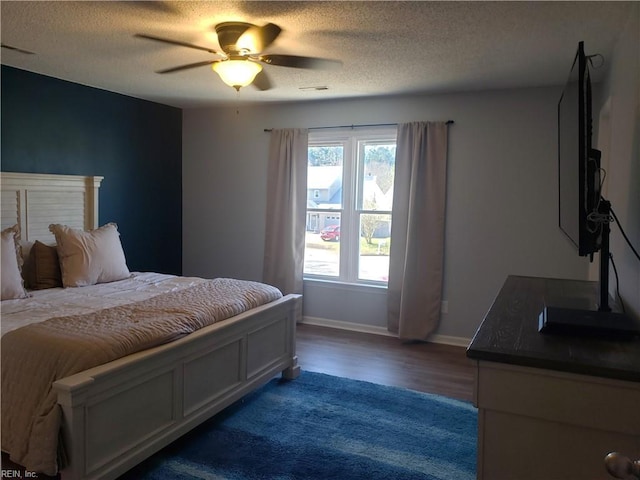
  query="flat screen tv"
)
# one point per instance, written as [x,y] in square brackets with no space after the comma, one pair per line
[584,215]
[578,162]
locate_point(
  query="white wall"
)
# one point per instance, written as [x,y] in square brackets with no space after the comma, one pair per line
[620,142]
[502,195]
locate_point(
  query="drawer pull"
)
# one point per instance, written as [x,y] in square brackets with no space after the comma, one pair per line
[620,466]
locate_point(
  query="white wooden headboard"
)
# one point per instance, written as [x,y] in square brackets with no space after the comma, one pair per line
[35,200]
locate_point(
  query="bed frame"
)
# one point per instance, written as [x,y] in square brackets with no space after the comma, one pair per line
[117,414]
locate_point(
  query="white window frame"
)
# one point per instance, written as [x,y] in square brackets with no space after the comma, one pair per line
[352,141]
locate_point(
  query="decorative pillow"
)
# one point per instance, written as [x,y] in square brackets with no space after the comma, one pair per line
[11,262]
[44,267]
[90,257]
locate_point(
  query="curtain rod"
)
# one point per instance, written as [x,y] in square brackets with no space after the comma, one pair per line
[448,122]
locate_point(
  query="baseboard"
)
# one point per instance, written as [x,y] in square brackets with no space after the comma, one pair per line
[353,327]
[450,340]
[359,327]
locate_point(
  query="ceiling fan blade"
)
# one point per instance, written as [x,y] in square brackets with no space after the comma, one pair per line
[296,61]
[188,66]
[255,39]
[175,42]
[262,82]
[16,49]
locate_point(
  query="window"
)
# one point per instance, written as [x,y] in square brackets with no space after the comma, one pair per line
[349,200]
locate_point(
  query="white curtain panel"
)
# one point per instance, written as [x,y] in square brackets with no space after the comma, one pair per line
[417,232]
[286,209]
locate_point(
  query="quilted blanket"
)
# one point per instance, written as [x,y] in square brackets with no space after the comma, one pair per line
[35,356]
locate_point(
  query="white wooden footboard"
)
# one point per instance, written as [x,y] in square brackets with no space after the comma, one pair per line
[118,414]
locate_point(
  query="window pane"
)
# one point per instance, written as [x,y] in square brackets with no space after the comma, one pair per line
[324,194]
[375,242]
[378,168]
[322,244]
[324,176]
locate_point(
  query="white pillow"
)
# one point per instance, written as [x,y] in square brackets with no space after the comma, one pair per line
[10,263]
[90,257]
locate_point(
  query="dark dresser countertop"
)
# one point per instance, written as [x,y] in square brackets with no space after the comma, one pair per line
[509,333]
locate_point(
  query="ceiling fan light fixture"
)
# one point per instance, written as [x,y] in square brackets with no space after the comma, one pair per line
[237,73]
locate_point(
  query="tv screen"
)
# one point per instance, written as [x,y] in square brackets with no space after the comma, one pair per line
[578,163]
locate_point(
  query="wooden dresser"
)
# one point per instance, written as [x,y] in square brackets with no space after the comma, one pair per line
[551,406]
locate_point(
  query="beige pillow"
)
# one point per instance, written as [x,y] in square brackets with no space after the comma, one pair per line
[44,267]
[90,257]
[10,264]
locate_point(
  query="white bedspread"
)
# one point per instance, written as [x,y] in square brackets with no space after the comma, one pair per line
[44,304]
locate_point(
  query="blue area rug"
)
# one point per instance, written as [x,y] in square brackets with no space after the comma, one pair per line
[324,427]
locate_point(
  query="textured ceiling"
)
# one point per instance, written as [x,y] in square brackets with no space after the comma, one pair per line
[387,48]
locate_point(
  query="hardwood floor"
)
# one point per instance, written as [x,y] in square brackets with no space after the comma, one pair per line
[426,367]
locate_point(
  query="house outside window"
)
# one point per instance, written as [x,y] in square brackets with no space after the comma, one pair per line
[349,202]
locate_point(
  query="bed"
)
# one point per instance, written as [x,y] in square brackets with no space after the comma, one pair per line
[115,414]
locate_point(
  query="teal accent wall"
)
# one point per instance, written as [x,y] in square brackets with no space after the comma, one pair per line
[54,126]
